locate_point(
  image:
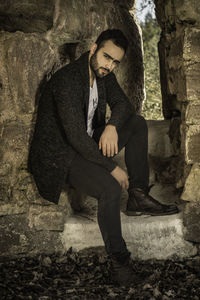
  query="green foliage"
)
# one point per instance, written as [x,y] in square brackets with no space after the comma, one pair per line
[152,106]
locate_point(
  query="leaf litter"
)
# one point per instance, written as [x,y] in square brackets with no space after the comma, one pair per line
[87,276]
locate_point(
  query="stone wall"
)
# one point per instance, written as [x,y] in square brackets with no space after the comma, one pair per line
[179,49]
[36,38]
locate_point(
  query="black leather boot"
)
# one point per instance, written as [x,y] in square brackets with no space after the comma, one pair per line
[122,273]
[141,203]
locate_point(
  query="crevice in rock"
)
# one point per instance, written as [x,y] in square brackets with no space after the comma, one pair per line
[67,52]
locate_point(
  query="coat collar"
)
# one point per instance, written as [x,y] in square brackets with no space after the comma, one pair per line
[84,70]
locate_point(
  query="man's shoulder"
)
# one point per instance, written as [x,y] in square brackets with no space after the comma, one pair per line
[73,69]
[66,72]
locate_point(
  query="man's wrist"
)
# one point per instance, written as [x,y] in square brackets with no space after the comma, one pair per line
[111,126]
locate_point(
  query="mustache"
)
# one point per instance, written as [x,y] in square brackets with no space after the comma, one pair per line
[105,69]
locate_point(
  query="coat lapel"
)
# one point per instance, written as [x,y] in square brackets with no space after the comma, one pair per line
[99,117]
[84,70]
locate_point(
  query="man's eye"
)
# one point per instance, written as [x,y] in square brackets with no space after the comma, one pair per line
[106,56]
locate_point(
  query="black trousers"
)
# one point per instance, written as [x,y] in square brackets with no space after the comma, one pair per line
[97,182]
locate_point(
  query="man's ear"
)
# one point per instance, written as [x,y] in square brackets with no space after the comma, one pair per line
[93,48]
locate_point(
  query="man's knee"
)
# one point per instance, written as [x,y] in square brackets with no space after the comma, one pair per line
[112,191]
[139,122]
[115,188]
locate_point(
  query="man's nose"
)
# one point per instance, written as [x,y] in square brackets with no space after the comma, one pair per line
[109,64]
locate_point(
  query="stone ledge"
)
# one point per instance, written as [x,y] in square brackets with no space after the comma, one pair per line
[146,237]
[46,218]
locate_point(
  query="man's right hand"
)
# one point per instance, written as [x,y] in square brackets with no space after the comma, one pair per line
[121,176]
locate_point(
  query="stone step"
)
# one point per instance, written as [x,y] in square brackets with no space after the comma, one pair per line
[146,237]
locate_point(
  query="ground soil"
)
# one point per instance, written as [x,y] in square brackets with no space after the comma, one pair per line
[87,276]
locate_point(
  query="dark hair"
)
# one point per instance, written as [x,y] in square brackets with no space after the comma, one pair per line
[115,35]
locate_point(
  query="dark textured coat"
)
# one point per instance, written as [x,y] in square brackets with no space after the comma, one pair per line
[61,130]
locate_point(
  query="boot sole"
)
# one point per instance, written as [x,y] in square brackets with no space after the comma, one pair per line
[140,213]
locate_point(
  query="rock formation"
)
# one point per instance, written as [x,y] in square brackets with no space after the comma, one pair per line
[179,49]
[36,39]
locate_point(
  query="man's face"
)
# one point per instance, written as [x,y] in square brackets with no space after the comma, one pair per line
[103,61]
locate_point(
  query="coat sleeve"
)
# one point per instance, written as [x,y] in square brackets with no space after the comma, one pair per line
[68,97]
[119,103]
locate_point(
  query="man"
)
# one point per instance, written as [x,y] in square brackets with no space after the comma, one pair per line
[73,144]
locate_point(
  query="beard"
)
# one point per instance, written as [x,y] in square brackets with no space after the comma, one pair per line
[95,66]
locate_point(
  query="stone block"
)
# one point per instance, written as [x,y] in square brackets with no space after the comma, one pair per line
[15,145]
[16,238]
[45,241]
[191,221]
[192,74]
[48,221]
[169,12]
[17,158]
[12,208]
[25,61]
[183,171]
[15,135]
[46,218]
[191,45]
[8,240]
[187,11]
[32,193]
[181,85]
[5,188]
[185,60]
[192,113]
[26,16]
[13,238]
[6,168]
[191,190]
[146,237]
[192,143]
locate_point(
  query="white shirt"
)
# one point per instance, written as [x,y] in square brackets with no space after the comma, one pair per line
[93,102]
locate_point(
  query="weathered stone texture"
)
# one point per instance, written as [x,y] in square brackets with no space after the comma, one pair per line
[28,59]
[187,11]
[12,209]
[192,185]
[16,238]
[92,18]
[191,220]
[191,113]
[192,144]
[24,62]
[179,50]
[46,218]
[36,39]
[191,44]
[159,142]
[27,16]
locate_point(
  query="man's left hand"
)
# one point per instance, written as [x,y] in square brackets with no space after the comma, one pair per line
[108,142]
